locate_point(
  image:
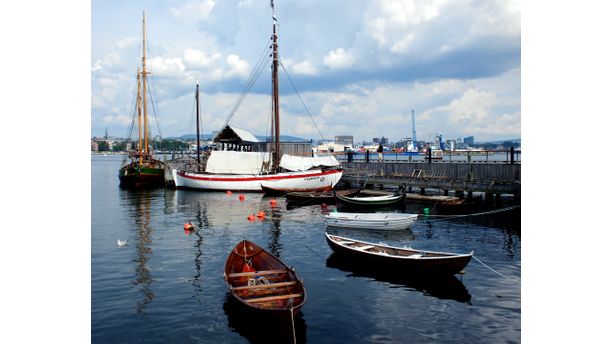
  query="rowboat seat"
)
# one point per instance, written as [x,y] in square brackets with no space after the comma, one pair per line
[256,273]
[415,256]
[366,247]
[344,242]
[269,285]
[273,298]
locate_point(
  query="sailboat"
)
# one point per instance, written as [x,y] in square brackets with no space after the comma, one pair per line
[253,171]
[142,170]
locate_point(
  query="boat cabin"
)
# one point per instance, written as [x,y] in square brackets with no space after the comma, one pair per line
[240,140]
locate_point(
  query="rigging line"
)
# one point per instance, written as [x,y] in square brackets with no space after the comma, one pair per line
[499,273]
[251,80]
[452,217]
[246,89]
[154,108]
[301,100]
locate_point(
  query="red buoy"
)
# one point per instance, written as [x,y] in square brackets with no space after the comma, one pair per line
[273,201]
[261,214]
[229,193]
[188,226]
[251,217]
[241,197]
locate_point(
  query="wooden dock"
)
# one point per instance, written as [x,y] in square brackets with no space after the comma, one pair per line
[490,179]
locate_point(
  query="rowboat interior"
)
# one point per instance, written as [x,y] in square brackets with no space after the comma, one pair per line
[386,250]
[265,289]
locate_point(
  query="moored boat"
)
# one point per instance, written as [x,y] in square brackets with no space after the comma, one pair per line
[313,197]
[240,168]
[364,200]
[262,282]
[142,170]
[377,221]
[404,258]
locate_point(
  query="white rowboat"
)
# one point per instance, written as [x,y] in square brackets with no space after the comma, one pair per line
[380,221]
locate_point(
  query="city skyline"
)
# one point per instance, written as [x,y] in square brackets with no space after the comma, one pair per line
[456,64]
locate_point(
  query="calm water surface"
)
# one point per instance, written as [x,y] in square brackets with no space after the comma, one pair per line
[166,286]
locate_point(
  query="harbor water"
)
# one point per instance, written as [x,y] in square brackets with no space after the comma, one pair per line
[166,285]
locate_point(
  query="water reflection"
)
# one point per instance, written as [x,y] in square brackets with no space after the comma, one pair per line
[201,224]
[441,287]
[140,202]
[274,245]
[259,328]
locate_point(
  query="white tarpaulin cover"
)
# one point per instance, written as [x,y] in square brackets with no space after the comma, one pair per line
[300,163]
[232,162]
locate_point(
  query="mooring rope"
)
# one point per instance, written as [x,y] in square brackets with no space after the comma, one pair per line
[452,217]
[490,268]
[292,324]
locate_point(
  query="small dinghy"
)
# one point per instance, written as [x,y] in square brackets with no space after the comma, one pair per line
[380,221]
[262,282]
[404,258]
[362,199]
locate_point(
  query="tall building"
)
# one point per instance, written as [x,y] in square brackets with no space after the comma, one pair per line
[383,140]
[469,140]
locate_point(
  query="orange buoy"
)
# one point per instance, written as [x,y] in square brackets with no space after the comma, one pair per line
[261,214]
[273,201]
[241,197]
[229,193]
[251,217]
[188,226]
[188,231]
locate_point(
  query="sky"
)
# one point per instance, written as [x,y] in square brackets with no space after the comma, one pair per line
[360,67]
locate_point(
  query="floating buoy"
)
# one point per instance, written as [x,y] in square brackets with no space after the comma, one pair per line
[188,231]
[251,217]
[426,211]
[188,226]
[273,201]
[241,197]
[323,205]
[261,214]
[229,193]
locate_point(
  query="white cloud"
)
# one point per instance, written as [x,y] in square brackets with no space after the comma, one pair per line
[304,67]
[199,9]
[127,42]
[338,59]
[237,66]
[194,58]
[167,67]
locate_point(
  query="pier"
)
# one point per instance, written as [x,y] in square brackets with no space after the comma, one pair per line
[491,179]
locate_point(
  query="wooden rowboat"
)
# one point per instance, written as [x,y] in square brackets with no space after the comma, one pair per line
[379,221]
[262,282]
[372,201]
[313,197]
[403,258]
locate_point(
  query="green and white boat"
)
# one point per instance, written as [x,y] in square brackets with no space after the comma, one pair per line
[142,170]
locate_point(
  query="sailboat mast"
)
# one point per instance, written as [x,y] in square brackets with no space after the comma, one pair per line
[139,106]
[275,100]
[197,95]
[414,145]
[144,85]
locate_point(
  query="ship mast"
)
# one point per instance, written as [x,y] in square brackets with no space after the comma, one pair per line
[197,96]
[139,105]
[275,101]
[144,87]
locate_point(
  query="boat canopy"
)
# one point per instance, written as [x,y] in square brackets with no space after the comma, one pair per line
[300,163]
[233,162]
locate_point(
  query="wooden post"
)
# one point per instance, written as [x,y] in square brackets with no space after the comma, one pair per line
[429,155]
[511,155]
[445,192]
[422,191]
[459,193]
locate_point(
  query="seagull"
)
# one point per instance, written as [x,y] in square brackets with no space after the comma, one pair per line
[121,243]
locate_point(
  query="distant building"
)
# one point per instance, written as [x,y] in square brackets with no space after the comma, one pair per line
[469,140]
[345,140]
[94,146]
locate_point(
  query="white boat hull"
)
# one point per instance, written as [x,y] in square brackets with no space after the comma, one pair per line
[377,221]
[311,179]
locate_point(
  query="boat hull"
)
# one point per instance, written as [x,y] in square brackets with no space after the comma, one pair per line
[366,221]
[262,282]
[444,263]
[143,177]
[305,180]
[371,202]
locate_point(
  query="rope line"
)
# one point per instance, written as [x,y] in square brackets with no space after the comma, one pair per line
[452,217]
[301,100]
[490,268]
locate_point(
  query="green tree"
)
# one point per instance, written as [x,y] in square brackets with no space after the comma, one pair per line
[102,146]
